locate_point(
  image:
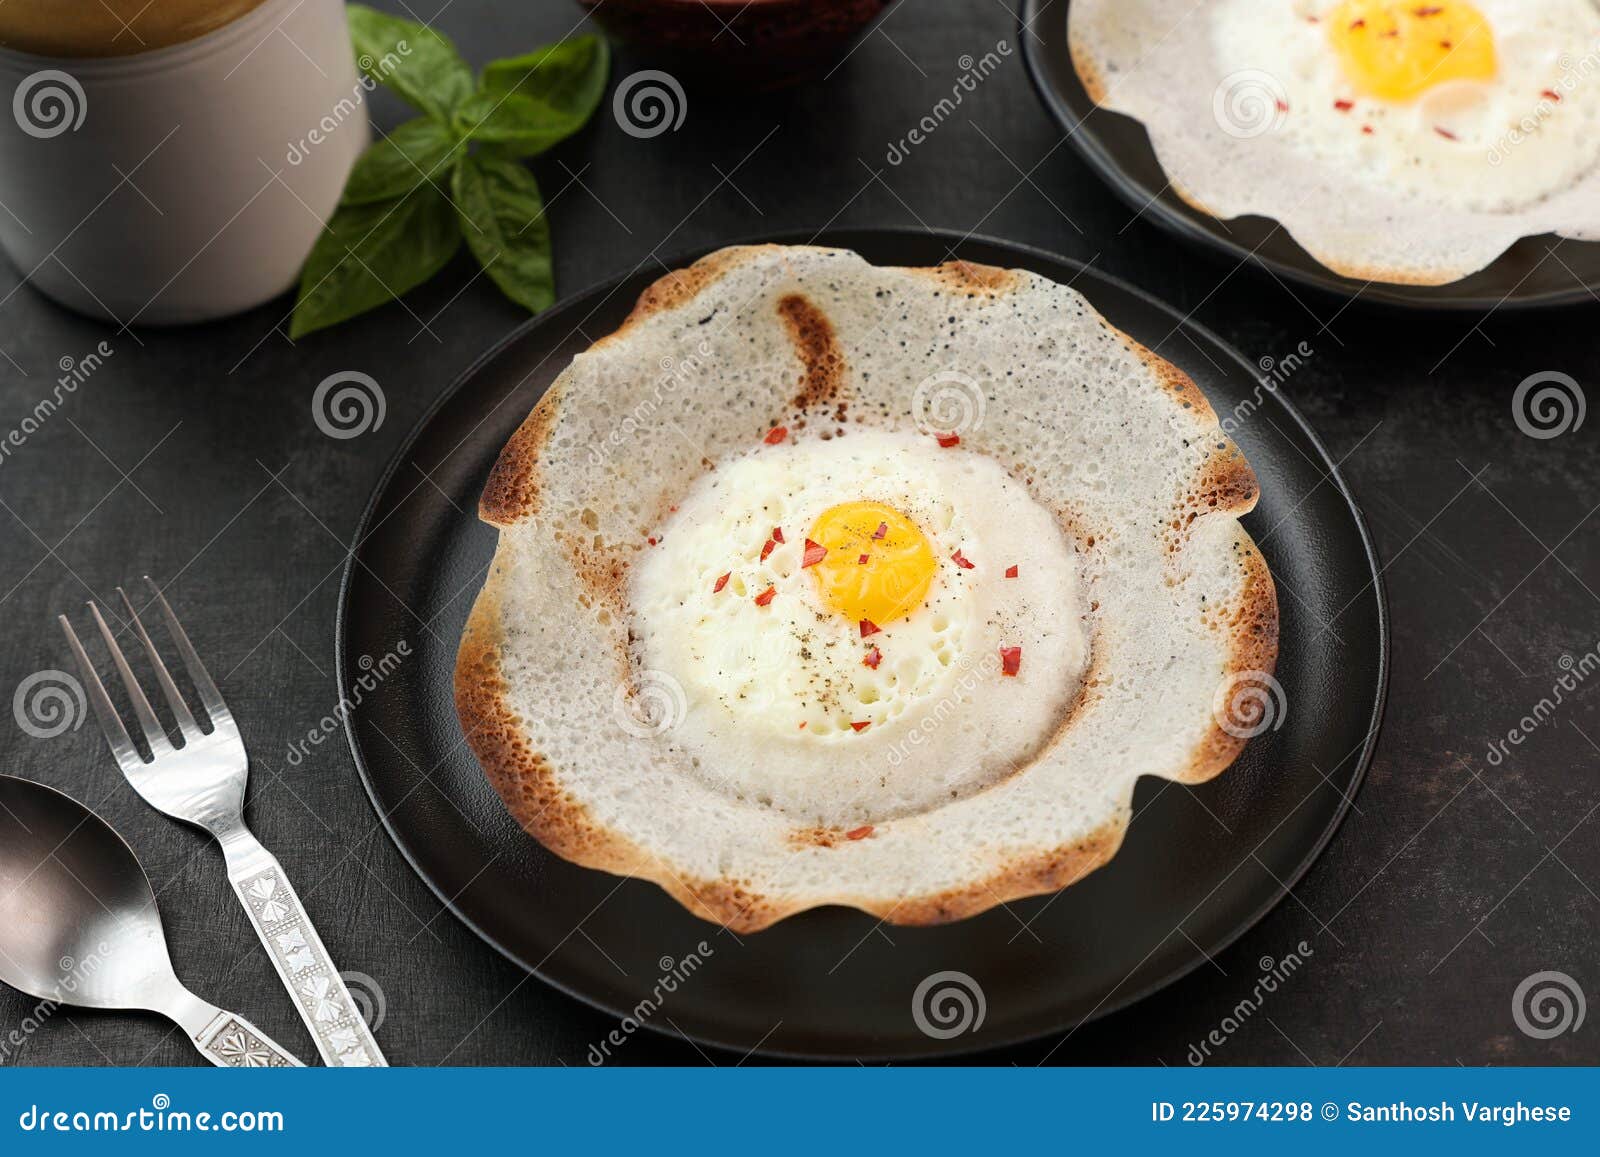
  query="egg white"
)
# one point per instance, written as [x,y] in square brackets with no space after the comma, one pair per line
[769,693]
[1490,146]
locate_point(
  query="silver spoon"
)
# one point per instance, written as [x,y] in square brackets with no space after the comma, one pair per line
[79,925]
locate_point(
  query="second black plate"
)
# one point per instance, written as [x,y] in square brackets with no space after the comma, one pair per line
[1199,866]
[1527,274]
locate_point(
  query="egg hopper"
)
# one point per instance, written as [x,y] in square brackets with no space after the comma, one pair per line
[1536,271]
[1199,867]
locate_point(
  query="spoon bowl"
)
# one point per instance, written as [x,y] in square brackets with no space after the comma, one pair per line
[79,925]
[78,920]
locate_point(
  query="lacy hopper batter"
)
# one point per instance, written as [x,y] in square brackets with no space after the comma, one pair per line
[1395,141]
[887,586]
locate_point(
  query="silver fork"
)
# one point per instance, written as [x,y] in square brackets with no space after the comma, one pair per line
[202,782]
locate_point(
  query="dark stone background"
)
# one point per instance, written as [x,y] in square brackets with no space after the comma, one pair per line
[192,455]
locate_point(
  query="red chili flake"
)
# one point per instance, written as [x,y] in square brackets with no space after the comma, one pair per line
[883,529]
[962,561]
[1445,133]
[949,440]
[860,833]
[1354,24]
[777,534]
[862,726]
[802,725]
[1011,571]
[862,561]
[721,582]
[1446,45]
[1367,129]
[776,435]
[1344,105]
[651,540]
[1551,94]
[815,553]
[765,596]
[874,657]
[767,549]
[868,627]
[1283,106]
[1010,660]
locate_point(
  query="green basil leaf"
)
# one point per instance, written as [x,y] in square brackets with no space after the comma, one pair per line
[565,83]
[371,254]
[420,64]
[419,150]
[502,218]
[517,124]
[569,76]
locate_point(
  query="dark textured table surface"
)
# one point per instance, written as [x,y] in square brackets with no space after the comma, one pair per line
[192,455]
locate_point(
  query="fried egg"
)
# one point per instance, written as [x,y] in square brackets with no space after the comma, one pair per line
[816,599]
[1414,97]
[1396,140]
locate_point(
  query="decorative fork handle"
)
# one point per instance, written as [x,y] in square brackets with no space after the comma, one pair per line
[297,952]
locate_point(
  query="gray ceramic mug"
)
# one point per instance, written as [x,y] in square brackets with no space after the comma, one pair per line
[183,183]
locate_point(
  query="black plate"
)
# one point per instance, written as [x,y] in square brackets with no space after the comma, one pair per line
[1119,150]
[839,990]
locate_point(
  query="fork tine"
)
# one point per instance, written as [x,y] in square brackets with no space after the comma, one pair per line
[186,723]
[216,707]
[157,738]
[116,735]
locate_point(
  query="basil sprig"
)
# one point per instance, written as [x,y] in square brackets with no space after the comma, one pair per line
[451,173]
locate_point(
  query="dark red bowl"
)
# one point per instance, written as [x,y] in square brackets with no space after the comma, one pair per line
[759,43]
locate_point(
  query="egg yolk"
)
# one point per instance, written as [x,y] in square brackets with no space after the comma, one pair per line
[898,570]
[1396,51]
